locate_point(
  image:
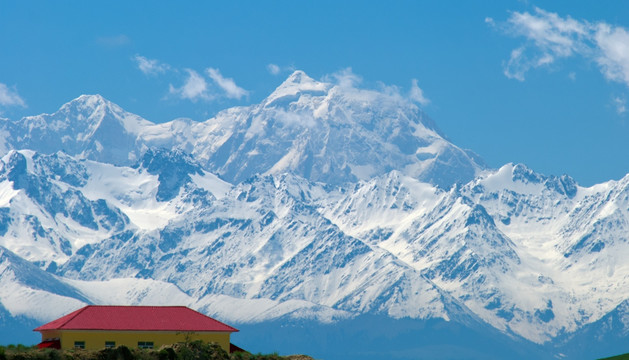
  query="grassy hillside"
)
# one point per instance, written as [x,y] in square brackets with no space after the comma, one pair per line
[618,357]
[196,350]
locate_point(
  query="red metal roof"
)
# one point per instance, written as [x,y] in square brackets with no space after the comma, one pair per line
[136,318]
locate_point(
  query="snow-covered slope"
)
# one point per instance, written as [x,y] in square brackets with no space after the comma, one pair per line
[52,205]
[27,290]
[44,217]
[514,246]
[252,244]
[323,202]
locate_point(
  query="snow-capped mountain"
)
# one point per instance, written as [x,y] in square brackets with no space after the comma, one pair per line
[87,127]
[335,134]
[324,132]
[322,203]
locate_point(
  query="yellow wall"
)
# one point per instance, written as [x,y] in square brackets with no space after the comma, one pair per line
[95,339]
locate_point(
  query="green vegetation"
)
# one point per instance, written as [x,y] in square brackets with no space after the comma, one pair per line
[617,357]
[195,350]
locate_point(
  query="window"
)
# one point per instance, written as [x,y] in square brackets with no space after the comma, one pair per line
[145,344]
[79,344]
[110,344]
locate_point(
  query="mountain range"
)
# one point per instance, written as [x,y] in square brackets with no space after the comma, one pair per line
[324,205]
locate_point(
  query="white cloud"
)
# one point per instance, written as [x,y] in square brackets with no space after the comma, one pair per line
[273,69]
[228,85]
[551,37]
[150,66]
[613,57]
[344,78]
[350,83]
[114,41]
[416,94]
[517,65]
[620,104]
[194,88]
[10,97]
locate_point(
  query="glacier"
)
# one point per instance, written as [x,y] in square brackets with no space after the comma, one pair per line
[324,205]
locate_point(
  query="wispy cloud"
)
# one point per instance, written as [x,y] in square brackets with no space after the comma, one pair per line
[10,97]
[344,78]
[114,41]
[195,85]
[550,37]
[351,82]
[194,88]
[620,103]
[416,94]
[613,57]
[228,85]
[273,69]
[150,66]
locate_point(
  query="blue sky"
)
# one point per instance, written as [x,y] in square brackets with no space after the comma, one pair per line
[542,83]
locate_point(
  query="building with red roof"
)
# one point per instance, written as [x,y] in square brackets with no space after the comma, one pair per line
[96,327]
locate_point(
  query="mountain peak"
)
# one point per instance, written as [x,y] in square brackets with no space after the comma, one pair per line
[297,83]
[299,76]
[89,126]
[93,109]
[90,103]
[91,98]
